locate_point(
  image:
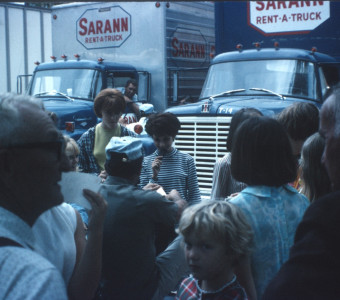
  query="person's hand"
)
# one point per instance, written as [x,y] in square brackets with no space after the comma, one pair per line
[176,197]
[156,165]
[122,121]
[98,211]
[103,175]
[151,187]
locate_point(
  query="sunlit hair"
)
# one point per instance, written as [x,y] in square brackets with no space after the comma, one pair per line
[13,129]
[220,221]
[300,119]
[109,100]
[162,124]
[71,145]
[261,153]
[316,182]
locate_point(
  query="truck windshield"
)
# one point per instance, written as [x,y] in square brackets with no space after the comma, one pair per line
[286,77]
[75,83]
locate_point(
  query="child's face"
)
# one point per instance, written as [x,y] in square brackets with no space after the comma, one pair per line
[207,259]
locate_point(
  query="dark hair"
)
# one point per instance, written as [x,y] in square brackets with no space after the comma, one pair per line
[119,166]
[316,182]
[131,81]
[109,100]
[262,154]
[300,119]
[162,124]
[240,116]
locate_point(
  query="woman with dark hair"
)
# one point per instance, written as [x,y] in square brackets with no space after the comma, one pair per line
[315,179]
[223,183]
[168,167]
[108,105]
[262,158]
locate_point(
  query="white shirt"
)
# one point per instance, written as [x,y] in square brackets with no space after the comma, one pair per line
[54,238]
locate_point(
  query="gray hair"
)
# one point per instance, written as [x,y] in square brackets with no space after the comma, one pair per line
[13,129]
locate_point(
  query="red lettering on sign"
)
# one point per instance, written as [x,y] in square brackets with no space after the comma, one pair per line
[306,16]
[91,29]
[184,49]
[96,27]
[82,26]
[99,26]
[125,24]
[261,5]
[116,25]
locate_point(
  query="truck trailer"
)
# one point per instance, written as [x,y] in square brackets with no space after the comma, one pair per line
[268,57]
[165,46]
[25,35]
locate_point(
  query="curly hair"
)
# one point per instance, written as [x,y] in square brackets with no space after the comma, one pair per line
[221,221]
[163,124]
[109,100]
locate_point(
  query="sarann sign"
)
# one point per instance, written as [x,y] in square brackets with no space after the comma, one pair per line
[104,27]
[287,17]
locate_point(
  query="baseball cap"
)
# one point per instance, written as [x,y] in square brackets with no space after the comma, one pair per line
[130,146]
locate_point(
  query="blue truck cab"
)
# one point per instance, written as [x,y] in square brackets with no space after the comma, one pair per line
[283,64]
[267,79]
[68,89]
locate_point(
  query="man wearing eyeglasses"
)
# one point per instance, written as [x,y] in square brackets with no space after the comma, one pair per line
[30,168]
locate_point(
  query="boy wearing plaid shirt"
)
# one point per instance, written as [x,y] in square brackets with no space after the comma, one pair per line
[216,236]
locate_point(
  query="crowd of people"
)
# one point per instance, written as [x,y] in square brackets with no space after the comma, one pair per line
[269,230]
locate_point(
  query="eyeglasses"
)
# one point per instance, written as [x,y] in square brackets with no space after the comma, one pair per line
[57,146]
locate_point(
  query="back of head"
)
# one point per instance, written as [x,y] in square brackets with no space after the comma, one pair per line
[220,221]
[13,123]
[261,153]
[162,124]
[124,157]
[109,100]
[240,116]
[316,182]
[300,119]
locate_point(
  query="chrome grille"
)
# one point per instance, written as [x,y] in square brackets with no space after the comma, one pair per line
[204,138]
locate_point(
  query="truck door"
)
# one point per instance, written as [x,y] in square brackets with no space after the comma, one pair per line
[118,79]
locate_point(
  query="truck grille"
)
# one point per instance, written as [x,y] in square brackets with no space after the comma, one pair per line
[204,138]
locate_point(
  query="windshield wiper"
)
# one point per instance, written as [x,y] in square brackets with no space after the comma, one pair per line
[267,91]
[225,94]
[53,92]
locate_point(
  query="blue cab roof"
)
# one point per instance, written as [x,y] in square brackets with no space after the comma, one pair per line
[85,64]
[271,53]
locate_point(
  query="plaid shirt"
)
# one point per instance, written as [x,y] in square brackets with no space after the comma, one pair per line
[87,162]
[190,290]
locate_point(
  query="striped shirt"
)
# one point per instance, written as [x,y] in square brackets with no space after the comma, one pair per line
[223,183]
[177,172]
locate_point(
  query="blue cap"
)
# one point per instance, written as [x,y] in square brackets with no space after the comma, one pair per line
[132,147]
